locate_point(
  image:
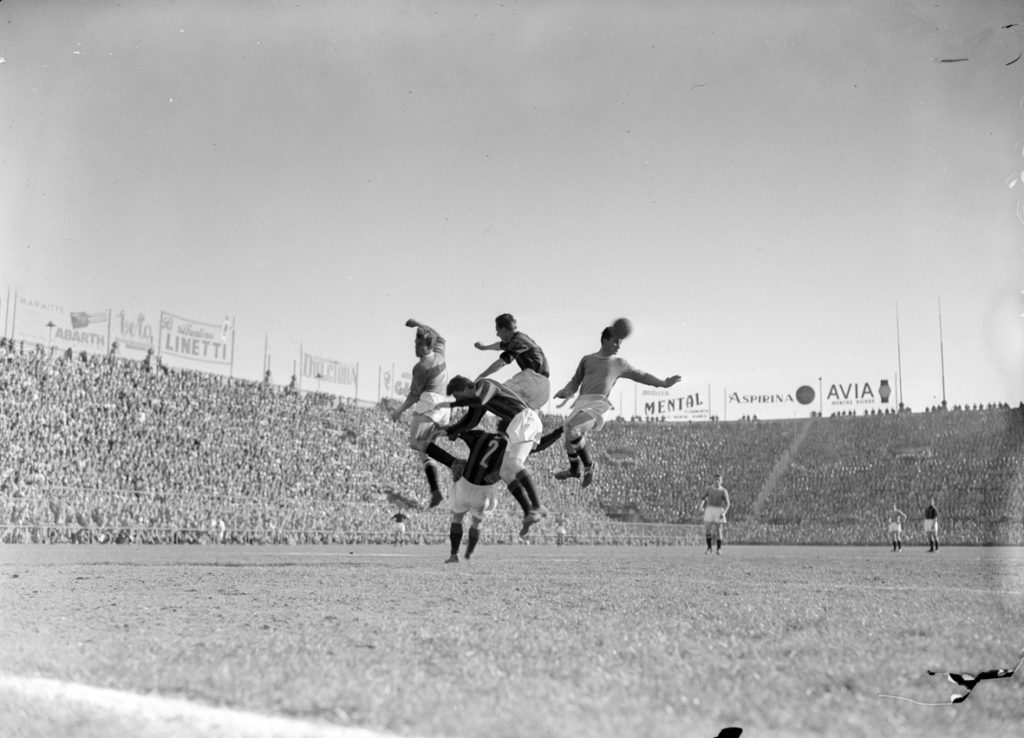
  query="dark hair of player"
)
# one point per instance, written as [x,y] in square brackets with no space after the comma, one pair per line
[458,383]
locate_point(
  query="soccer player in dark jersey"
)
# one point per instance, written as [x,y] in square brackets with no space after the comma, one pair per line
[398,521]
[532,382]
[520,425]
[426,393]
[475,487]
[931,526]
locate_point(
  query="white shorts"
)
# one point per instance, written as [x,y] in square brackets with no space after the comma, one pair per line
[532,388]
[399,528]
[525,427]
[931,525]
[589,408]
[478,500]
[427,418]
[428,405]
[714,514]
[895,528]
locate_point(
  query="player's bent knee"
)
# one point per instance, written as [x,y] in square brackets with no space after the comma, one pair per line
[510,469]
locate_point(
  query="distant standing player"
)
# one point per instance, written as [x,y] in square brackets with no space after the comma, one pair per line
[715,504]
[427,391]
[398,521]
[595,376]
[532,382]
[931,526]
[896,518]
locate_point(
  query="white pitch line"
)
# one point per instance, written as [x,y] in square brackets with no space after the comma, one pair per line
[151,712]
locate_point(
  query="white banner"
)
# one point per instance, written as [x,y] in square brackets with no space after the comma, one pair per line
[328,370]
[673,404]
[133,333]
[209,343]
[858,395]
[51,324]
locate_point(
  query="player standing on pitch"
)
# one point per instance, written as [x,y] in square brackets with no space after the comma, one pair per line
[715,504]
[895,519]
[595,376]
[429,376]
[931,526]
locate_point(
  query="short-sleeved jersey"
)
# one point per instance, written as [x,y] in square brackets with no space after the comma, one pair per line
[525,352]
[399,517]
[716,497]
[596,374]
[931,513]
[430,373]
[488,396]
[486,450]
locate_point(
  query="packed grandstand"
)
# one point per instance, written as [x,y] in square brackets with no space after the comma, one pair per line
[108,450]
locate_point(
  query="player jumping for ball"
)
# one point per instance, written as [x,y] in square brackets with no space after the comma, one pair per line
[425,395]
[595,376]
[519,423]
[531,382]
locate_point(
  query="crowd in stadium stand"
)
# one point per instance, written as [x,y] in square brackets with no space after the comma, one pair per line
[104,449]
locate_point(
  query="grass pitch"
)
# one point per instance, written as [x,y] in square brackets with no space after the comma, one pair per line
[574,642]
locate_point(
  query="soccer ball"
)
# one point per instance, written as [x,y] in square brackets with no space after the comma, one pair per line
[621,328]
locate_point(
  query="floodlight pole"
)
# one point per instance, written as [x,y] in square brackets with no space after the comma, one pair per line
[942,357]
[899,360]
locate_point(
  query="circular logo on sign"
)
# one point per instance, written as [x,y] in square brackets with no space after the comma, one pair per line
[805,395]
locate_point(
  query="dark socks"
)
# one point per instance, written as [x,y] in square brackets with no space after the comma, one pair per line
[516,488]
[431,472]
[526,482]
[455,536]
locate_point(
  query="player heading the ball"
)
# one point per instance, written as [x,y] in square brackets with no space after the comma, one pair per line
[595,376]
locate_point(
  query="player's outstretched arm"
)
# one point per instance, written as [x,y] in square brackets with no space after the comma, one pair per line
[499,364]
[496,346]
[669,381]
[649,379]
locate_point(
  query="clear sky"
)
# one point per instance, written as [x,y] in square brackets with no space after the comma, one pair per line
[756,185]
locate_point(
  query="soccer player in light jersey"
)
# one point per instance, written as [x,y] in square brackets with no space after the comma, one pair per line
[895,519]
[715,504]
[532,382]
[595,376]
[475,487]
[426,393]
[519,423]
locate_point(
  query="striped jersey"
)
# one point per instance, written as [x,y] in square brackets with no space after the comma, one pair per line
[430,373]
[489,396]
[486,451]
